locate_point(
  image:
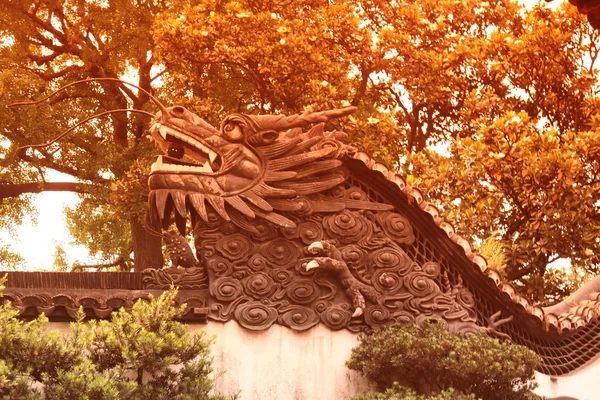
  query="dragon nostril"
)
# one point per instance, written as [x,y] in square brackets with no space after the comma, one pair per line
[178,110]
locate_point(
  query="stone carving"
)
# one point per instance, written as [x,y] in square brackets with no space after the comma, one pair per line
[282,235]
[179,251]
[259,191]
[189,278]
[192,276]
[331,259]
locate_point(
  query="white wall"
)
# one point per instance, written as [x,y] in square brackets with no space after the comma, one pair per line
[582,384]
[281,364]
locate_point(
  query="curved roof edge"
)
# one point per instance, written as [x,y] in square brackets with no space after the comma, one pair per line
[579,313]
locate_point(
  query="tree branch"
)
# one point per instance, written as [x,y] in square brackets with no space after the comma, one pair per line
[17,189]
[82,144]
[48,164]
[520,273]
[46,25]
[48,76]
[362,88]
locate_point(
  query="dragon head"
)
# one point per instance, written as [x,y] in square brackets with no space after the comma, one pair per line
[242,170]
[200,158]
[251,166]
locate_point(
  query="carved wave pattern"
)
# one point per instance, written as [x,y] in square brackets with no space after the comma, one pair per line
[261,279]
[189,278]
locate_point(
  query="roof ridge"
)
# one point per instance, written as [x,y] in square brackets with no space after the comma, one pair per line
[579,312]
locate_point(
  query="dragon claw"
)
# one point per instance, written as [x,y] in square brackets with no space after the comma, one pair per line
[312,265]
[494,323]
[315,247]
[358,312]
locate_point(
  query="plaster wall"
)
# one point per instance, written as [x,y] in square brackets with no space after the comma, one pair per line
[582,384]
[281,364]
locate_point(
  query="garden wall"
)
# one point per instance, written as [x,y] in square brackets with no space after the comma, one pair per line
[582,384]
[281,364]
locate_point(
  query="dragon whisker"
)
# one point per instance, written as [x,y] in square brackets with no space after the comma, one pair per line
[162,108]
[63,134]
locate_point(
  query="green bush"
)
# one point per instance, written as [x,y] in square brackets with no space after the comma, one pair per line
[142,354]
[430,360]
[398,392]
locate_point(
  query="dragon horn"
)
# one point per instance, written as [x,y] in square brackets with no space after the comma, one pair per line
[281,123]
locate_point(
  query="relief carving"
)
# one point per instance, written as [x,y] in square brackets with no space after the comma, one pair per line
[346,269]
[279,233]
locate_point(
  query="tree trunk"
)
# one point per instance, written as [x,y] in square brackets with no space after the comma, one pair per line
[147,247]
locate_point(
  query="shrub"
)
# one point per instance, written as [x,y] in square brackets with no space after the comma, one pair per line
[429,360]
[142,354]
[398,392]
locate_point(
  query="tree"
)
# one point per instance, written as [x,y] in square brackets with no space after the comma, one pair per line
[541,180]
[47,44]
[506,93]
[426,76]
[96,361]
[433,362]
[403,63]
[536,163]
[10,259]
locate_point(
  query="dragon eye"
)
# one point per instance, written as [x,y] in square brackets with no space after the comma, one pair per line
[233,131]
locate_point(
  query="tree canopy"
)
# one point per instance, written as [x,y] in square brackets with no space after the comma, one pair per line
[488,107]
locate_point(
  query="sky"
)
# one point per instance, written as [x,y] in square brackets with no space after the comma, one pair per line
[37,242]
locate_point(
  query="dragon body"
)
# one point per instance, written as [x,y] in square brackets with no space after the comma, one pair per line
[292,226]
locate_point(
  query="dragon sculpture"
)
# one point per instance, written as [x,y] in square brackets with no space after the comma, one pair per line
[292,226]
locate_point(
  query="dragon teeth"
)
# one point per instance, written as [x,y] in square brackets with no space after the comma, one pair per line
[163,130]
[159,166]
[202,147]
